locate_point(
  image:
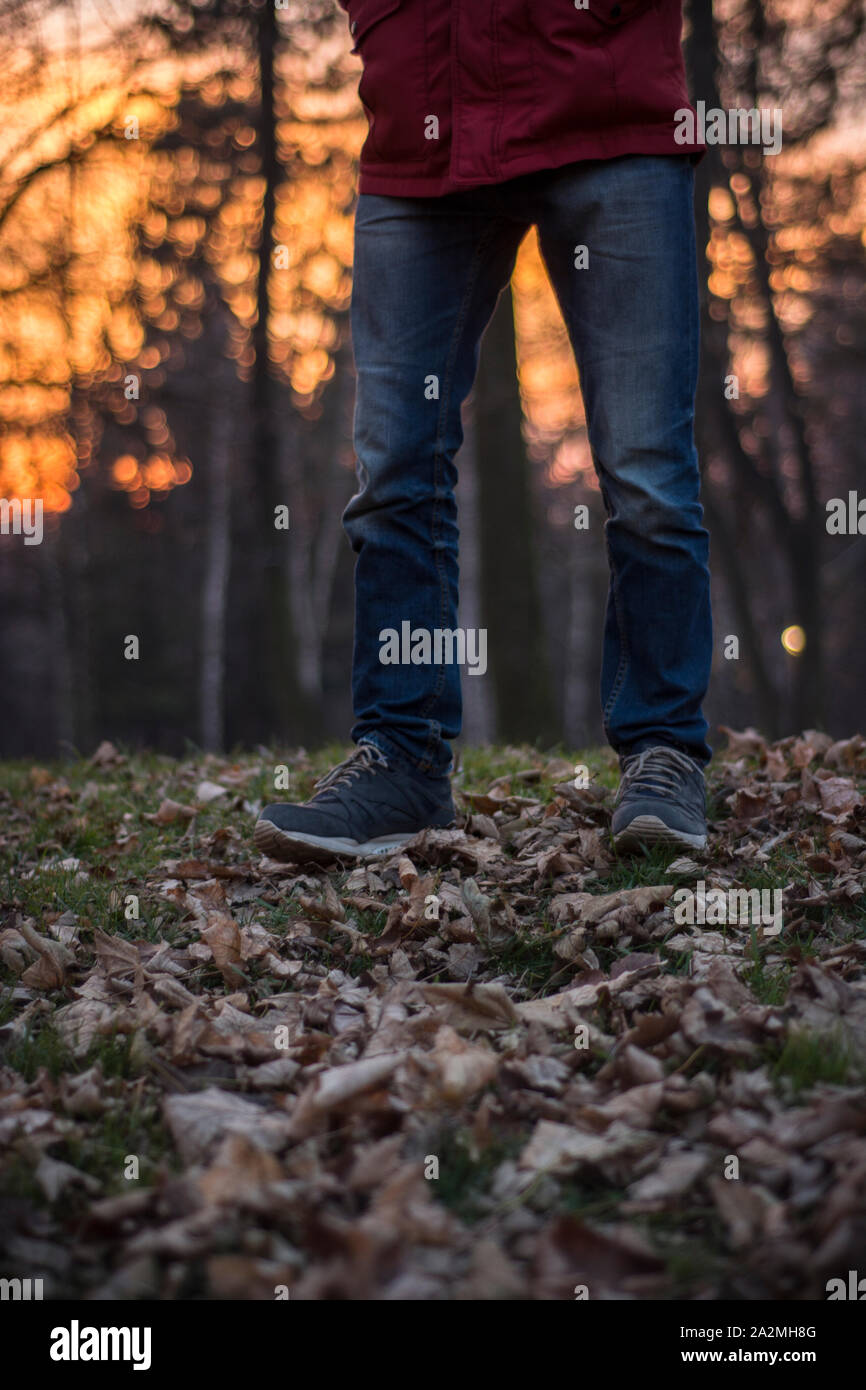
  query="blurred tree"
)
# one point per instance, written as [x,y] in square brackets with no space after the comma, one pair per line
[204,258]
[61,298]
[761,479]
[510,604]
[262,41]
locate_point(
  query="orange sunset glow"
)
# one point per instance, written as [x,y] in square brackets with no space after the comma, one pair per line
[105,240]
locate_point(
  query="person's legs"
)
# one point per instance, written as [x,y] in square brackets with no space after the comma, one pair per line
[632,315]
[427,274]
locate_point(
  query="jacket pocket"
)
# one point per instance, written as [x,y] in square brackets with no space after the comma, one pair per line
[364,14]
[389,36]
[612,13]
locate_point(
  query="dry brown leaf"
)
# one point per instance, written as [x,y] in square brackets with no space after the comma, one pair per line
[55,1177]
[572,1255]
[200,1120]
[470,1007]
[168,812]
[462,1068]
[80,1023]
[590,908]
[838,795]
[563,1149]
[743,1208]
[339,1086]
[745,743]
[107,755]
[239,1168]
[750,803]
[116,956]
[677,1171]
[45,973]
[209,791]
[223,936]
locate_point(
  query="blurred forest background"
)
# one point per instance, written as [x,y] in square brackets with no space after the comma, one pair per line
[177,184]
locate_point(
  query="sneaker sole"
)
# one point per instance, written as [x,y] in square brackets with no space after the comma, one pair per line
[646,831]
[294,846]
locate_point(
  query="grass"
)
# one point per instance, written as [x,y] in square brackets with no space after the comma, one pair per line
[465,1171]
[769,986]
[44,1047]
[129,1124]
[811,1059]
[100,821]
[481,765]
[125,1131]
[530,959]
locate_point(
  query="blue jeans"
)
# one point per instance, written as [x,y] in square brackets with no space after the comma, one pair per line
[428,272]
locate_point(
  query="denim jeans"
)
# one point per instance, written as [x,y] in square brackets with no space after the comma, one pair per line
[428,272]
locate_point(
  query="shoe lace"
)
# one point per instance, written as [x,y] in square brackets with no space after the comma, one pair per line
[657,769]
[364,757]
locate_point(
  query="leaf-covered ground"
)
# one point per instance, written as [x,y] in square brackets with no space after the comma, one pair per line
[491,1066]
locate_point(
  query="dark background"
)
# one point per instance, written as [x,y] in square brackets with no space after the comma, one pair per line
[177,182]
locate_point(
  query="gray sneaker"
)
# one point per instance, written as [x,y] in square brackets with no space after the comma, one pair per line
[661,800]
[365,805]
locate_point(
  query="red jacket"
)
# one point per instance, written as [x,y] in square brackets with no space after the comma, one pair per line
[466,92]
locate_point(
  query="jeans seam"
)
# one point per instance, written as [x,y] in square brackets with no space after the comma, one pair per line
[622,669]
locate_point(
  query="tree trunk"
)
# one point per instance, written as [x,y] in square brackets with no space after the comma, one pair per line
[63,691]
[477,703]
[217,560]
[718,427]
[280,695]
[509,588]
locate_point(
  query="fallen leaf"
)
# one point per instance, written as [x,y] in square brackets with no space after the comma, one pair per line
[168,812]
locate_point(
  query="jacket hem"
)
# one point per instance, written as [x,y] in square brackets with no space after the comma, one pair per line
[605,145]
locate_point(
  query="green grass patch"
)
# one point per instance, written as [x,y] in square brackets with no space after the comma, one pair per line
[465,1171]
[811,1059]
